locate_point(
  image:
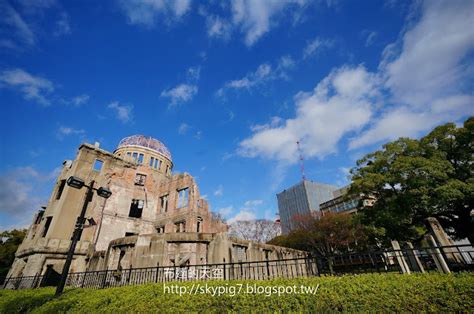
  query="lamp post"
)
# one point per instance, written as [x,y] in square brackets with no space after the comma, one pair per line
[78,183]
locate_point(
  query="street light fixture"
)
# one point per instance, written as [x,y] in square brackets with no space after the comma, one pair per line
[78,183]
[103,192]
[75,182]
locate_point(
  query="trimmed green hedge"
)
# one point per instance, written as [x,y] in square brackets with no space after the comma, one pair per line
[369,292]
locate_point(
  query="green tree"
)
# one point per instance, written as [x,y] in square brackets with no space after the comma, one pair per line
[9,242]
[416,179]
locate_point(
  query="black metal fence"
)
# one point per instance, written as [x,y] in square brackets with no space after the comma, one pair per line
[455,258]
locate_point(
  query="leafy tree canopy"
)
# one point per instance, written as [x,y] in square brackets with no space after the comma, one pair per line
[9,242]
[325,235]
[416,179]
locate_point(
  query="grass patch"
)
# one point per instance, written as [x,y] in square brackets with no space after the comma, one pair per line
[431,292]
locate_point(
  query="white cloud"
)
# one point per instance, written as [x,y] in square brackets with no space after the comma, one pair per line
[431,63]
[122,112]
[19,197]
[20,23]
[425,78]
[255,18]
[12,22]
[180,94]
[252,18]
[427,73]
[183,128]
[33,87]
[147,12]
[369,37]
[193,73]
[262,75]
[219,191]
[198,135]
[253,203]
[225,211]
[65,131]
[340,104]
[62,25]
[78,101]
[243,215]
[218,27]
[314,46]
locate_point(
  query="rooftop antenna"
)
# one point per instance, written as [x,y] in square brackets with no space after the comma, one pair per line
[301,160]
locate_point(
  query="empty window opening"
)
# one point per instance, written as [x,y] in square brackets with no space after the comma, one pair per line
[199,224]
[152,161]
[164,203]
[158,164]
[140,158]
[135,156]
[140,179]
[39,216]
[183,197]
[136,208]
[160,229]
[180,226]
[98,165]
[129,234]
[129,154]
[46,225]
[167,169]
[62,184]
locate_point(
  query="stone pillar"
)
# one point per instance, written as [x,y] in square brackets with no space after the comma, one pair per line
[442,239]
[415,262]
[400,258]
[437,256]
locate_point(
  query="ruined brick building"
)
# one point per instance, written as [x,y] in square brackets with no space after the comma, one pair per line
[153,217]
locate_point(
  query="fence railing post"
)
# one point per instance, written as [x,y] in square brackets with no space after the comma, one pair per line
[105,279]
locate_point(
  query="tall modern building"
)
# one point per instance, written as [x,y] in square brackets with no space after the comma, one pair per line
[344,202]
[301,199]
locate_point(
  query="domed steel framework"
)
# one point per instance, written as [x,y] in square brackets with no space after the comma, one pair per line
[146,141]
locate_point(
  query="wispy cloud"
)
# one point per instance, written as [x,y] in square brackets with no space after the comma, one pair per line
[64,131]
[253,203]
[219,191]
[147,12]
[183,128]
[255,18]
[193,74]
[185,92]
[13,23]
[22,26]
[62,25]
[244,214]
[180,94]
[32,87]
[225,211]
[262,75]
[427,73]
[369,37]
[19,197]
[80,100]
[122,112]
[315,46]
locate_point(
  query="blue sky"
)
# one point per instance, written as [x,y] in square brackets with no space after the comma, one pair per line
[229,87]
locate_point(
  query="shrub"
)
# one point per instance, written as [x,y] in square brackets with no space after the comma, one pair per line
[431,292]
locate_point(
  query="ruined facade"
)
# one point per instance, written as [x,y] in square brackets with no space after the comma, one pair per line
[152,218]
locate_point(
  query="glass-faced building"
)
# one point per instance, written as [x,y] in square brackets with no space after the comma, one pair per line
[303,198]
